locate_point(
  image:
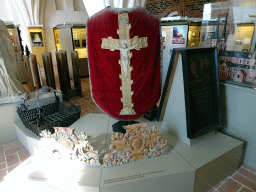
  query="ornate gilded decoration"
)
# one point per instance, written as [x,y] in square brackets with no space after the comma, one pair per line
[125,44]
[136,143]
[65,144]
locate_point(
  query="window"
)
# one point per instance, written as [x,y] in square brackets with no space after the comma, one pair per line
[240,61]
[250,77]
[238,76]
[247,62]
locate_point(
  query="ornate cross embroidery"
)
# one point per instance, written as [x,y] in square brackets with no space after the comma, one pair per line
[125,44]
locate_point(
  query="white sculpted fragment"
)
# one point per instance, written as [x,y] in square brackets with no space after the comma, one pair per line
[136,143]
[11,89]
[64,144]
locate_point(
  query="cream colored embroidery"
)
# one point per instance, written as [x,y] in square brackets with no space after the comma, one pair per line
[125,44]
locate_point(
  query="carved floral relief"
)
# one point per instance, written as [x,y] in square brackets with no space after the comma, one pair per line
[136,143]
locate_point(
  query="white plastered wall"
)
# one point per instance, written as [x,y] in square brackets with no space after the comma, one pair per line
[53,17]
[9,13]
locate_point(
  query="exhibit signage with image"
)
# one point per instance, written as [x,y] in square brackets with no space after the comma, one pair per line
[170,43]
[179,35]
[37,39]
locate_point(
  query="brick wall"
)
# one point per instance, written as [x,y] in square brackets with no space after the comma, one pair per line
[193,8]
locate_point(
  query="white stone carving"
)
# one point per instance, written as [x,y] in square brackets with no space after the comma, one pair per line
[66,145]
[11,89]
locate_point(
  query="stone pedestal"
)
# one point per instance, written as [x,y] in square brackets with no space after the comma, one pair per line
[184,168]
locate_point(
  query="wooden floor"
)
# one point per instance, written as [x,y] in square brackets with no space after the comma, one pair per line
[13,153]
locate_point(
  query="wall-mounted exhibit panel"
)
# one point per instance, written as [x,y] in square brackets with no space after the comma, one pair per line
[36,36]
[243,37]
[69,38]
[79,43]
[194,33]
[174,35]
[57,38]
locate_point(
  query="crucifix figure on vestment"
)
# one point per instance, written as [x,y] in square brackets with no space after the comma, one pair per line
[124,54]
[125,44]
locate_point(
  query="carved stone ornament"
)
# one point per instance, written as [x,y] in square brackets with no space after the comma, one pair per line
[136,143]
[65,144]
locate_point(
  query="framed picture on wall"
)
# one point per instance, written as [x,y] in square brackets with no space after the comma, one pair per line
[36,39]
[244,36]
[77,43]
[179,35]
[84,42]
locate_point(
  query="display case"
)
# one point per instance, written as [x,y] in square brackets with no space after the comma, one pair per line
[79,43]
[37,41]
[69,37]
[234,35]
[194,33]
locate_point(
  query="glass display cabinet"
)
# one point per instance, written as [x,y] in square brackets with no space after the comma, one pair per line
[73,37]
[234,35]
[79,44]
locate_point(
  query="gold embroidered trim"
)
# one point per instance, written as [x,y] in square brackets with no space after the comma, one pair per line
[125,44]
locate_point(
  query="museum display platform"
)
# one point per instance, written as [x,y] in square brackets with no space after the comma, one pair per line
[8,114]
[184,168]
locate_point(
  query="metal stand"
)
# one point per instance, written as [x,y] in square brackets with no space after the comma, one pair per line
[118,126]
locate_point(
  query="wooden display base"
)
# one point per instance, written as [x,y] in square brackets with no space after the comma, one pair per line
[185,168]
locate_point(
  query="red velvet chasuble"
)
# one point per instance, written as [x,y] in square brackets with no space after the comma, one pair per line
[124,61]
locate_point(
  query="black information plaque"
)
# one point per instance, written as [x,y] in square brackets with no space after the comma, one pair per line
[201,89]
